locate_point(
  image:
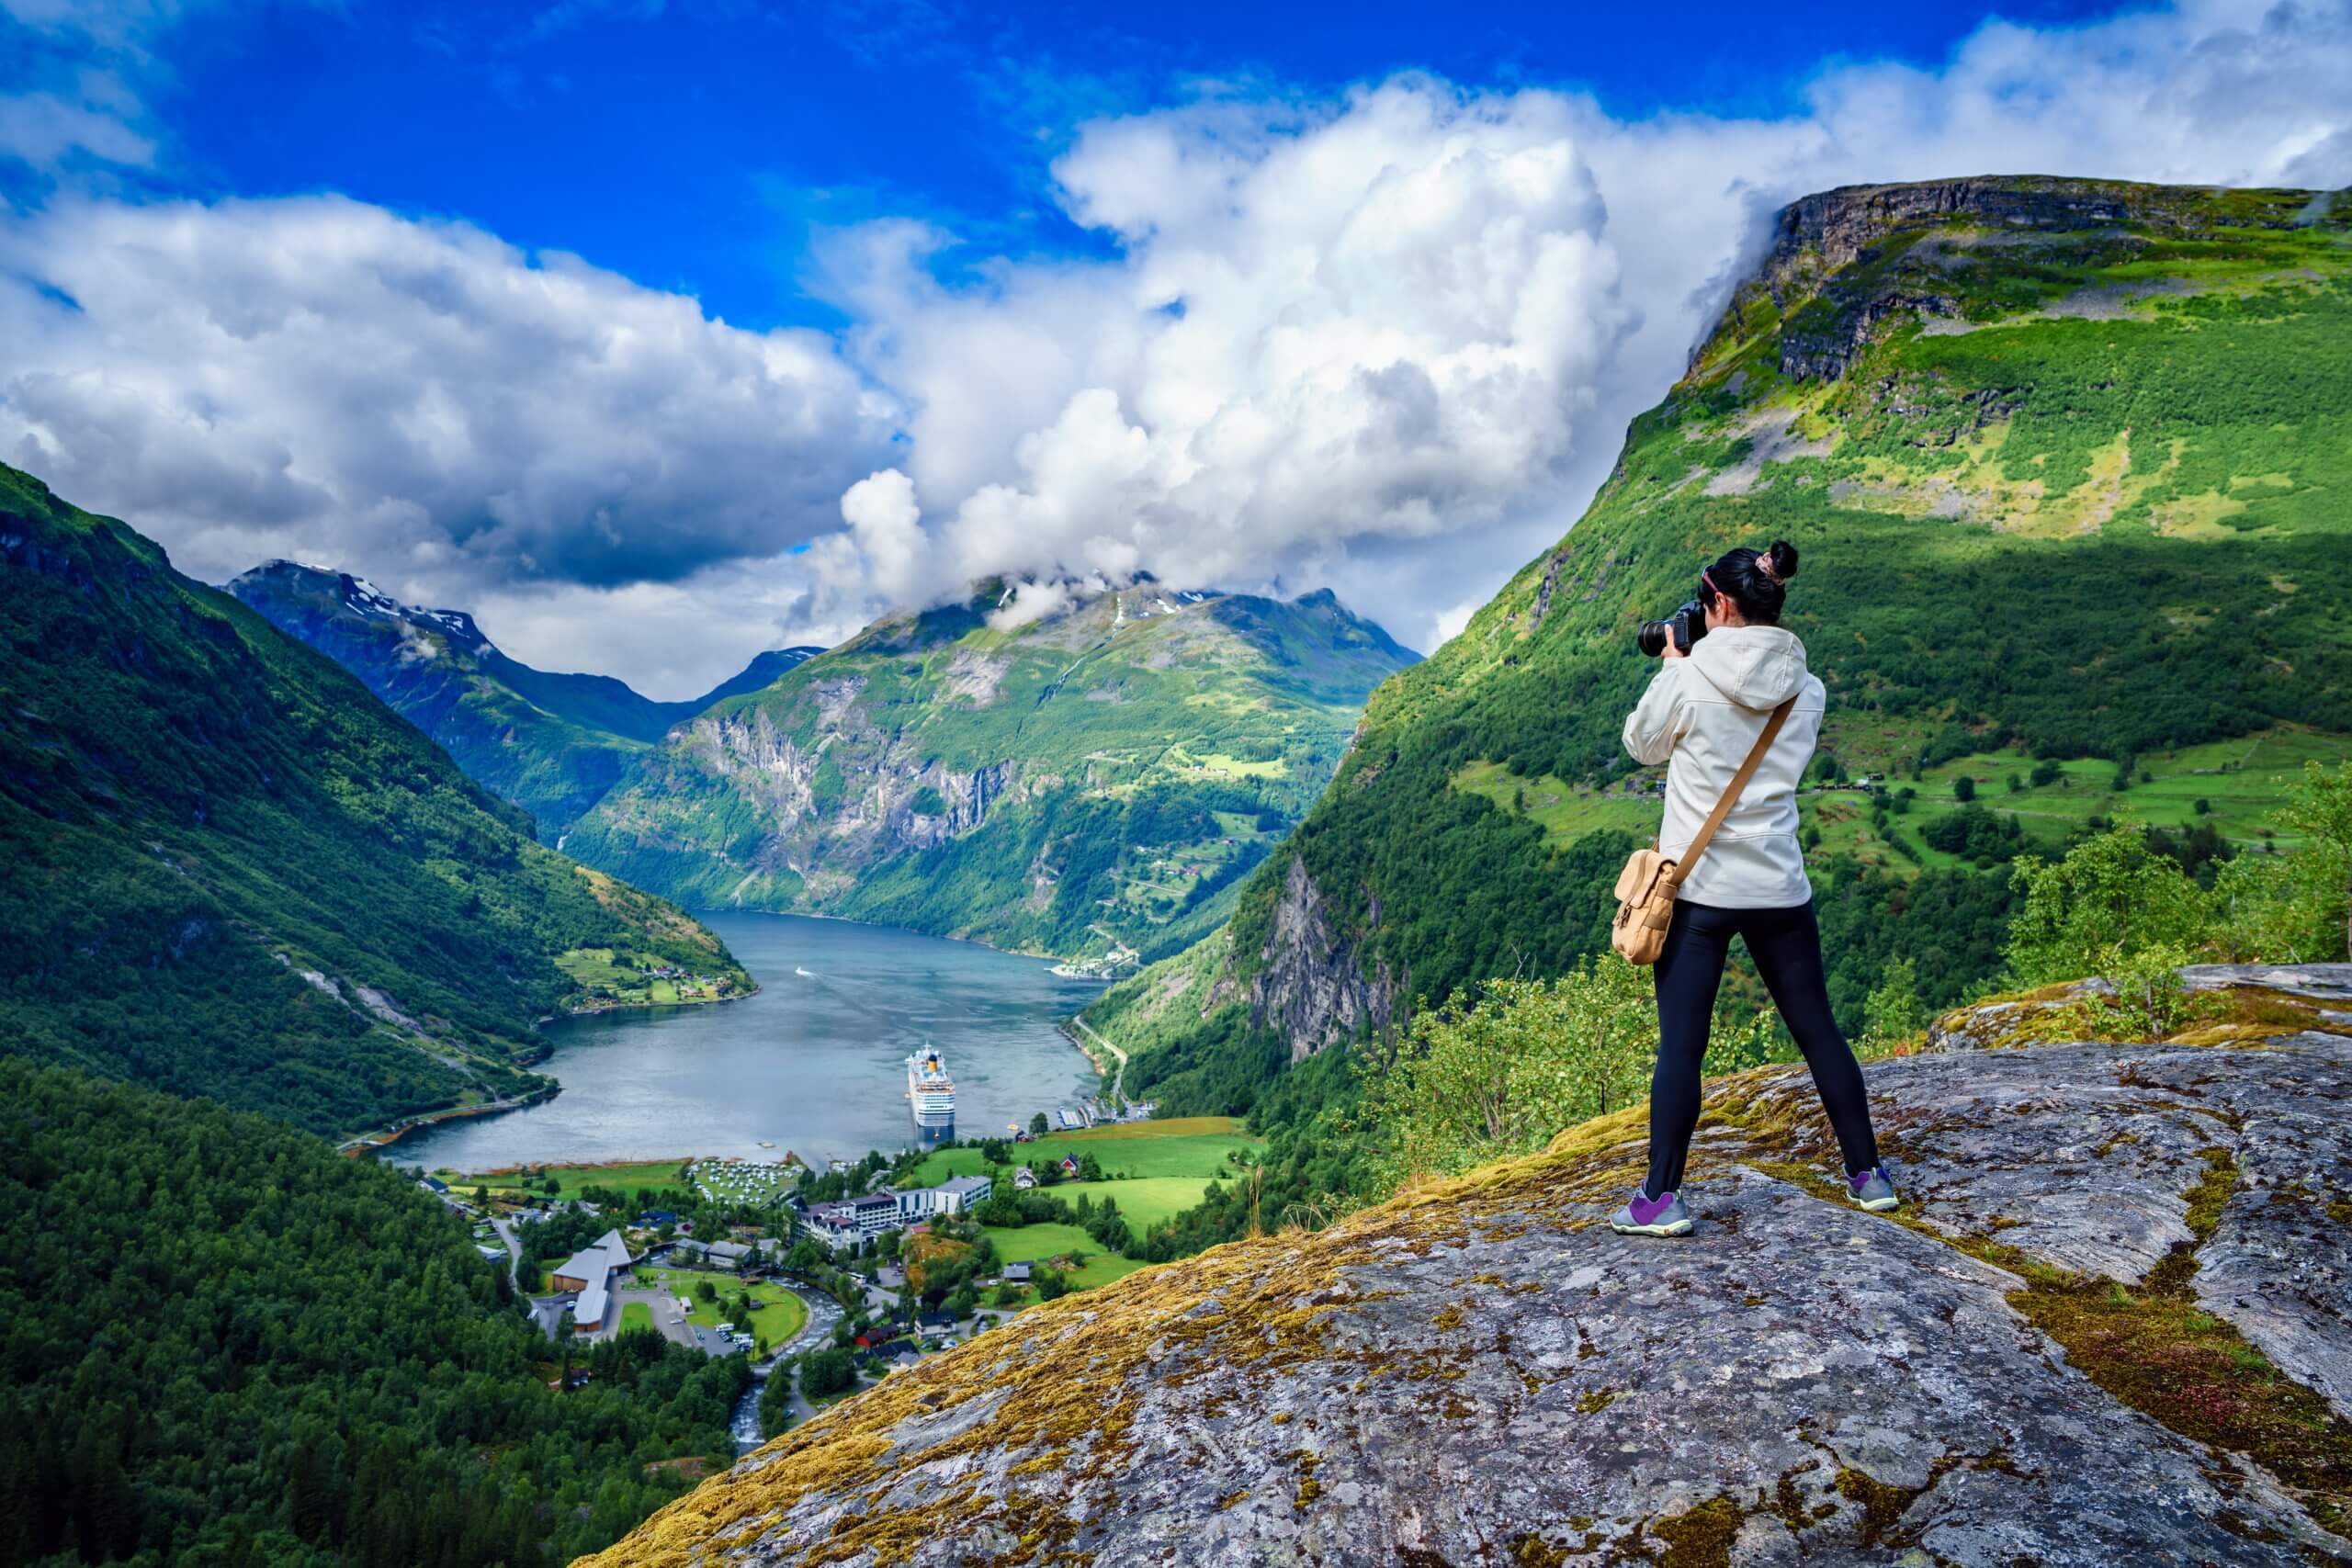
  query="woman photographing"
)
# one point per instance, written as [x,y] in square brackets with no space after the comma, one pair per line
[1705,712]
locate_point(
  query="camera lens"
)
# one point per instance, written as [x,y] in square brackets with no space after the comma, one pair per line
[1651,638]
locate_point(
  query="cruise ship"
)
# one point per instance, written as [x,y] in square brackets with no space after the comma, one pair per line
[931,1096]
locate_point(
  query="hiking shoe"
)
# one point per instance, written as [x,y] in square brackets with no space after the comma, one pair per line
[1873,1190]
[1662,1215]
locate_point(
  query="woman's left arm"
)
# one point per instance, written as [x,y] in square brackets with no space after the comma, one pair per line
[1657,721]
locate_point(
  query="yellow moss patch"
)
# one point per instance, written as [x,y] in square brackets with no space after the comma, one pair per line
[1701,1538]
[2164,1357]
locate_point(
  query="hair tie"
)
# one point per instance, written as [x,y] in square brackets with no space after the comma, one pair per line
[1764,565]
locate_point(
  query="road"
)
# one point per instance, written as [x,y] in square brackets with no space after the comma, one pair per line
[1117,1079]
[506,1229]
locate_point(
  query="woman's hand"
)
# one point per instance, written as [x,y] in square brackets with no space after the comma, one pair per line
[1672,650]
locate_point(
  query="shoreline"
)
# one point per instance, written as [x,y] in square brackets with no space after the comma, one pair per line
[699,911]
[376,1140]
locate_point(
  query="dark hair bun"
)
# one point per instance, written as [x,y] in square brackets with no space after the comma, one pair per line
[1780,560]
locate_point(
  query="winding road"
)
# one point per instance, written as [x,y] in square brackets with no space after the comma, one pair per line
[1117,1079]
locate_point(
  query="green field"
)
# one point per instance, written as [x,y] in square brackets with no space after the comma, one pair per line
[1103,1267]
[661,1175]
[608,981]
[635,1315]
[1135,1149]
[2242,781]
[1144,1202]
[744,1181]
[1032,1244]
[783,1314]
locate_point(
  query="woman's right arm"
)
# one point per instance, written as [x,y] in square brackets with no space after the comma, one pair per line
[1657,721]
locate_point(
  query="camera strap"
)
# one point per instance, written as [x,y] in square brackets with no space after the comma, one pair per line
[1731,793]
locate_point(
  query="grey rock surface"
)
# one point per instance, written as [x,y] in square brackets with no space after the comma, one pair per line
[1483,1373]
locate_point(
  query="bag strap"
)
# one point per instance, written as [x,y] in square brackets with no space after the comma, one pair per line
[1731,793]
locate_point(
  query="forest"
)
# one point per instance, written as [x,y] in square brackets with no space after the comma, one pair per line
[204,823]
[230,1345]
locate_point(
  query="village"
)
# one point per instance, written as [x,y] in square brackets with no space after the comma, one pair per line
[831,1275]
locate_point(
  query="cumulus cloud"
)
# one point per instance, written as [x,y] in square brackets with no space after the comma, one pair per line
[1391,342]
[325,379]
[1386,340]
[671,641]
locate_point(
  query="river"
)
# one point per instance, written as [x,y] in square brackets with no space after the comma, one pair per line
[814,1063]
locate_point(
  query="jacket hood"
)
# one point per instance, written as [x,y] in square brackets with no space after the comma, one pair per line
[1757,667]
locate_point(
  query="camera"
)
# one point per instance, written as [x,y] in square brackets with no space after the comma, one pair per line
[1685,626]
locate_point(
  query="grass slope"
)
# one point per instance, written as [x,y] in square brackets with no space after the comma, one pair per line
[2067,463]
[1100,778]
[230,871]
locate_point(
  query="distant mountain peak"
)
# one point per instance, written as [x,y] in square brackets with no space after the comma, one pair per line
[278,579]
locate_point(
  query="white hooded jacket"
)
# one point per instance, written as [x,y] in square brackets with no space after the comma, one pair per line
[1701,715]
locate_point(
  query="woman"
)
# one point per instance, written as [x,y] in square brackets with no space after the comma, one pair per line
[1701,714]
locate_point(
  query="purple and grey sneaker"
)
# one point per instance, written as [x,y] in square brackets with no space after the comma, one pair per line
[1662,1215]
[1873,1190]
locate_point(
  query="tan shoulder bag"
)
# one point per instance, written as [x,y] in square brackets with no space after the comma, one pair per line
[1646,889]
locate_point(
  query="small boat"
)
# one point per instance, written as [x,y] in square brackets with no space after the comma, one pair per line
[802,973]
[767,1143]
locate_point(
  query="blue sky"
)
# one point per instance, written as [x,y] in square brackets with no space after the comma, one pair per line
[692,146]
[873,297]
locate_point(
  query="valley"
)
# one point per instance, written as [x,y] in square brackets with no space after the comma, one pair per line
[1095,780]
[814,1061]
[455,1106]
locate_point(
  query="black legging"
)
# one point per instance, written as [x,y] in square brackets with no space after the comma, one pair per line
[1786,945]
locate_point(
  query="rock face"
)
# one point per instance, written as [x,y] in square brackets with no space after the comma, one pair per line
[2038,1360]
[1312,987]
[1835,273]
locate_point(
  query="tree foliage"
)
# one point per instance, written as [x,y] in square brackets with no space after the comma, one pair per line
[229,1346]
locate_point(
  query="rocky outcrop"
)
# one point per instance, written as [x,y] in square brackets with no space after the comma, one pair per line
[1311,986]
[2108,1327]
[1833,303]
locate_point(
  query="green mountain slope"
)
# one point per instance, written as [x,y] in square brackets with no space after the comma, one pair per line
[229,1345]
[2071,467]
[1092,782]
[553,743]
[230,871]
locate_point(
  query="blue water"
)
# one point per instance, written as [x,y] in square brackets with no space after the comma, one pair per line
[814,1063]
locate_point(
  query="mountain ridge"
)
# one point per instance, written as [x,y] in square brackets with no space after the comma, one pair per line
[1085,782]
[1977,406]
[233,872]
[550,741]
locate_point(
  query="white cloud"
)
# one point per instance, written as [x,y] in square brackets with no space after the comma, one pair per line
[1386,343]
[669,640]
[1391,343]
[323,380]
[1029,601]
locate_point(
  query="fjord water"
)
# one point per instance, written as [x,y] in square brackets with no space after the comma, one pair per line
[814,1063]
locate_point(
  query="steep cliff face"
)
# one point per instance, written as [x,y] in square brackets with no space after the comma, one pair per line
[2112,1326]
[1092,781]
[1976,405]
[1311,986]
